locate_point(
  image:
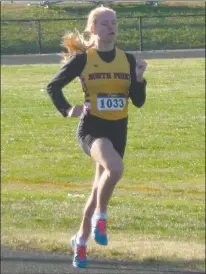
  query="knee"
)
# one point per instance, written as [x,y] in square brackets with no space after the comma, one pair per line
[115,170]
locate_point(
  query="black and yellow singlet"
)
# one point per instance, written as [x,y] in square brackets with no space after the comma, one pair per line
[106,85]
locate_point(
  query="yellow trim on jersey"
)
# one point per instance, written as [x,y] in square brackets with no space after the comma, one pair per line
[106,85]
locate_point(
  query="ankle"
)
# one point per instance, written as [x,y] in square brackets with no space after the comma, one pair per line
[100,215]
[81,240]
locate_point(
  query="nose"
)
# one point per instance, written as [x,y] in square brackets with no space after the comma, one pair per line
[110,26]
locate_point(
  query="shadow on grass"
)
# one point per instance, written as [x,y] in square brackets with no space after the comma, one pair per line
[99,265]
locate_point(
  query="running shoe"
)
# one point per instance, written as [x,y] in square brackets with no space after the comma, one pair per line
[80,258]
[99,231]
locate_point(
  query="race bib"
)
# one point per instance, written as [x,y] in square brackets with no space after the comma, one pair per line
[113,102]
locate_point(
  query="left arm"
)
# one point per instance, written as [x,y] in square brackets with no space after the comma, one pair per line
[137,92]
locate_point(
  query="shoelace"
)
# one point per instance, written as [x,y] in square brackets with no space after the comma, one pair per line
[81,252]
[101,224]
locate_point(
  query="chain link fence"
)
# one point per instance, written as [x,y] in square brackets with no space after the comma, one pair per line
[135,34]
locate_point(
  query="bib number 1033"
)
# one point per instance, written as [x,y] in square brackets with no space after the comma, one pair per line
[110,103]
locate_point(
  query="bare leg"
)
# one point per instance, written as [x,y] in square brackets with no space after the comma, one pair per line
[103,152]
[90,206]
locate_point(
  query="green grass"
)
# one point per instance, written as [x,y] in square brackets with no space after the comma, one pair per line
[74,11]
[159,203]
[157,33]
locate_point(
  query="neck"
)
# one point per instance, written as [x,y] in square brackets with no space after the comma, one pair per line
[103,46]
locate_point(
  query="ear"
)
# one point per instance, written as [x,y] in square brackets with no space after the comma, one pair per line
[93,31]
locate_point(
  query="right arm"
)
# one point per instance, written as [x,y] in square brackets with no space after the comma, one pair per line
[137,92]
[68,72]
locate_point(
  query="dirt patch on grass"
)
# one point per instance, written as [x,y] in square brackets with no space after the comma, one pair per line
[44,186]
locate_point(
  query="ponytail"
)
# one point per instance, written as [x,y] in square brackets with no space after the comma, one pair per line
[75,43]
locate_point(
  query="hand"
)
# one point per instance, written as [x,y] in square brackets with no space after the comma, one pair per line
[140,69]
[76,111]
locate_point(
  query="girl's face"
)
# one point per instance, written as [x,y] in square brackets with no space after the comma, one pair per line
[105,27]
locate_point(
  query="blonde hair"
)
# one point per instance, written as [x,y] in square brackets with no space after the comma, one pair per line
[75,42]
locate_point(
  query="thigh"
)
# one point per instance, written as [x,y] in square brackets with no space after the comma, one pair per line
[86,142]
[104,153]
[89,129]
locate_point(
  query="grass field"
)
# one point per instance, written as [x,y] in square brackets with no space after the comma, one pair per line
[158,207]
[171,8]
[174,32]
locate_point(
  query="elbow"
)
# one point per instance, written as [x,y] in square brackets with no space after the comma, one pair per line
[139,104]
[139,101]
[49,89]
[52,89]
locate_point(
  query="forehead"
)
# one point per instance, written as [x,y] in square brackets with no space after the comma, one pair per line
[106,16]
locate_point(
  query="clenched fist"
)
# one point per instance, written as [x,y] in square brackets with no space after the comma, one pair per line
[140,69]
[76,111]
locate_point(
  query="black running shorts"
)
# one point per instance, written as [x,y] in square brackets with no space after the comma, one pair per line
[91,128]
